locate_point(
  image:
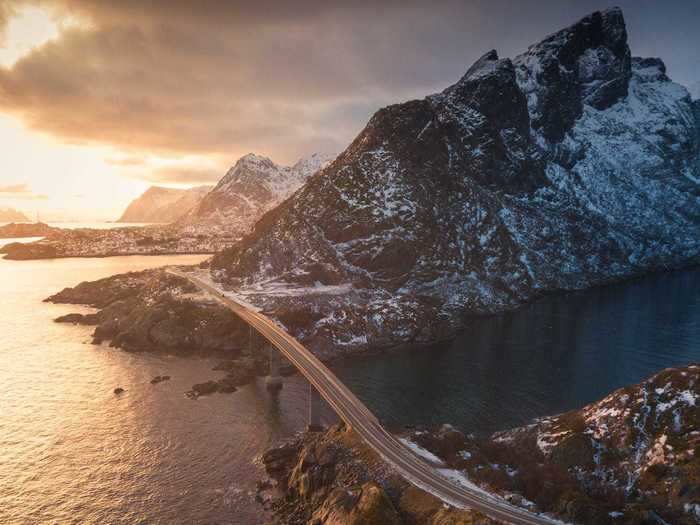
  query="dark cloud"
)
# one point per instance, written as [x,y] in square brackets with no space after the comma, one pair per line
[278,77]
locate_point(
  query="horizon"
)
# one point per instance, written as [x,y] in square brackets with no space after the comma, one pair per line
[87,130]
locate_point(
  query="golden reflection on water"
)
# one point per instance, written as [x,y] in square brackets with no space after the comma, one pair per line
[70,450]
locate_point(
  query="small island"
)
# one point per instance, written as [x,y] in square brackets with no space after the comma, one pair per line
[27,229]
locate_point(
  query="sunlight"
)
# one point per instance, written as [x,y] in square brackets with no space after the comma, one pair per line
[28,29]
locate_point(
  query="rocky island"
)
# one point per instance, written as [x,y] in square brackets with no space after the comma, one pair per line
[631,458]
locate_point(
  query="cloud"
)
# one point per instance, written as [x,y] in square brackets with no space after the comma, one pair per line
[276,77]
[184,175]
[224,78]
[15,188]
[127,161]
[20,192]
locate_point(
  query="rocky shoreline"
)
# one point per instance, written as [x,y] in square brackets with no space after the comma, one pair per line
[332,478]
[631,458]
[152,311]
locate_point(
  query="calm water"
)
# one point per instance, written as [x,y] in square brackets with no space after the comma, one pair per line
[71,451]
[554,355]
[94,225]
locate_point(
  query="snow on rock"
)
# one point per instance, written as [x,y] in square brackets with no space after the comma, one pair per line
[641,440]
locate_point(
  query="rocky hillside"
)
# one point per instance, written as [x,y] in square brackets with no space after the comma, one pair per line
[633,457]
[571,165]
[10,215]
[334,479]
[163,205]
[151,311]
[251,187]
[694,90]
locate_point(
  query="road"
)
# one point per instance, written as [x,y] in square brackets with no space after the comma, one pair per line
[357,416]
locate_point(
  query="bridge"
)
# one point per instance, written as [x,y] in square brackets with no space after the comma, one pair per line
[358,417]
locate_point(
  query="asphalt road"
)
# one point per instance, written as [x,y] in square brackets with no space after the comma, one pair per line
[356,415]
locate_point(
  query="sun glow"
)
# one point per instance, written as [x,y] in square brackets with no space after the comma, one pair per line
[29,28]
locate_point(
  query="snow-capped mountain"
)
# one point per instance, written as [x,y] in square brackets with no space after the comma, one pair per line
[158,204]
[254,185]
[571,165]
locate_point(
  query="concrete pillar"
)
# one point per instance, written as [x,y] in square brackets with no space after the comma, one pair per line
[314,410]
[274,379]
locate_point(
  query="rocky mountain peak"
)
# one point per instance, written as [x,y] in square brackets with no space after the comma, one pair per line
[490,87]
[545,172]
[312,163]
[588,63]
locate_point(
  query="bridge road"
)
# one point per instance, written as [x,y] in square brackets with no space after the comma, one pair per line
[358,417]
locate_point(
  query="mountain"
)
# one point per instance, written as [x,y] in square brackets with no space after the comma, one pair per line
[571,165]
[10,215]
[254,185]
[164,205]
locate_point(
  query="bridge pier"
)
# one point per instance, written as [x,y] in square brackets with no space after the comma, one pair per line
[314,410]
[251,339]
[273,381]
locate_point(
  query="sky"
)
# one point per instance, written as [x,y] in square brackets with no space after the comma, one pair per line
[99,100]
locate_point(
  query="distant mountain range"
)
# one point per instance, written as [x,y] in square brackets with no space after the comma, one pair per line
[254,185]
[571,165]
[10,215]
[164,205]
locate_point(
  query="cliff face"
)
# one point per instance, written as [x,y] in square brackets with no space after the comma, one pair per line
[569,166]
[163,205]
[331,478]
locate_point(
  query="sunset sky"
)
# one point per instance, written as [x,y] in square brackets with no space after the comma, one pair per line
[99,100]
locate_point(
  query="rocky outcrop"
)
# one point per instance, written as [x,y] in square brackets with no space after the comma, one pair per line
[151,311]
[20,251]
[333,478]
[570,166]
[587,64]
[25,229]
[633,457]
[163,205]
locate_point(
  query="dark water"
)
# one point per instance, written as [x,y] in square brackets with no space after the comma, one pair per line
[72,452]
[556,354]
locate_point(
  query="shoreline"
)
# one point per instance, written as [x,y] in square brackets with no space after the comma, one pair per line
[106,255]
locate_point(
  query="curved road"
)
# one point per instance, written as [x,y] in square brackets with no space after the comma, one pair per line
[357,416]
